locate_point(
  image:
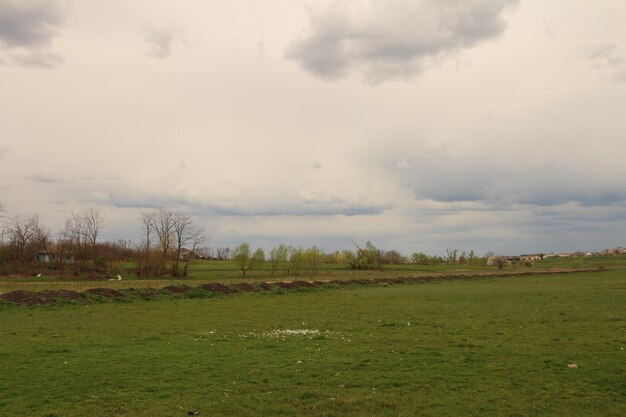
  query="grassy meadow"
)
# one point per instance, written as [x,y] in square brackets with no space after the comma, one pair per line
[226,271]
[488,347]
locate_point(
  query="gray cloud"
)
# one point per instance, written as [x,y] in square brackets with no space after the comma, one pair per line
[36,59]
[301,207]
[46,178]
[385,39]
[27,29]
[445,175]
[607,60]
[160,41]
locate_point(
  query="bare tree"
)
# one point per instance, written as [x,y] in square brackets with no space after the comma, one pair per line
[222,253]
[81,232]
[26,238]
[148,221]
[175,232]
[197,237]
[92,224]
[73,234]
[164,226]
[2,210]
[182,236]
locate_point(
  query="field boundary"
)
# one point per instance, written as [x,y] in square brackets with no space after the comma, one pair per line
[48,297]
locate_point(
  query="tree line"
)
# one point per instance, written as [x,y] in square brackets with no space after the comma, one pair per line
[291,260]
[169,237]
[170,240]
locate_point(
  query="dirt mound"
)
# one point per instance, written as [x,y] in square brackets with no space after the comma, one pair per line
[244,287]
[31,298]
[265,286]
[389,280]
[105,292]
[217,287]
[282,284]
[176,289]
[27,298]
[148,293]
[62,294]
[304,284]
[361,281]
[340,282]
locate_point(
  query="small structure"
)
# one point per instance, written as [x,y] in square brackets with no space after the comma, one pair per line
[45,257]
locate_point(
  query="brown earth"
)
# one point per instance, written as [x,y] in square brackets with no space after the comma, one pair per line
[244,287]
[174,289]
[30,298]
[217,287]
[34,298]
[105,292]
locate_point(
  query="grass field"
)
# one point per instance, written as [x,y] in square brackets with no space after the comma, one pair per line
[226,271]
[494,347]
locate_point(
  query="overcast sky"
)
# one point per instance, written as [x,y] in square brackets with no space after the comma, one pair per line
[417,124]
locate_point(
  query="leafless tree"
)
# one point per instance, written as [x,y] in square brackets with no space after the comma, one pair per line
[148,221]
[26,238]
[2,209]
[164,226]
[222,253]
[93,223]
[81,233]
[72,231]
[182,236]
[175,232]
[197,237]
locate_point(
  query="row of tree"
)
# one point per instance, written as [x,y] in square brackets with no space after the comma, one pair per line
[291,260]
[168,236]
[26,240]
[170,240]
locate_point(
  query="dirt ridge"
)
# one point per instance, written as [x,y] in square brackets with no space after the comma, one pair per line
[47,297]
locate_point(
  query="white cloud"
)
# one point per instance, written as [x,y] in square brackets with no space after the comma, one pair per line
[608,61]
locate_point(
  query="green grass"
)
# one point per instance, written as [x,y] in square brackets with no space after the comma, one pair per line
[583,262]
[489,347]
[226,271]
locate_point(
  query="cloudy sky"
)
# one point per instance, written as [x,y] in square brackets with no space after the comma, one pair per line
[417,124]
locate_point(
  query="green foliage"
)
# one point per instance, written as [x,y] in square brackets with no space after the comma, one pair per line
[364,258]
[279,258]
[245,260]
[314,257]
[297,260]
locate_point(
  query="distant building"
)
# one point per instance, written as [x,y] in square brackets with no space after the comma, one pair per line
[45,257]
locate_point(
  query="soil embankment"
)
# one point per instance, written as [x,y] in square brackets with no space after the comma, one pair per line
[47,297]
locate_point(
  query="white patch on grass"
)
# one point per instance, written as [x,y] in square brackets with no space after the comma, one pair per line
[286,333]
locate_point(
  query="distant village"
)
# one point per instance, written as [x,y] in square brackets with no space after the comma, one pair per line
[539,256]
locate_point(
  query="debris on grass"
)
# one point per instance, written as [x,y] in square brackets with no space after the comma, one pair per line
[285,333]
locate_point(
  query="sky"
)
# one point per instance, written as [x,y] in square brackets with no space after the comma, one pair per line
[420,125]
